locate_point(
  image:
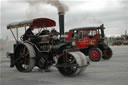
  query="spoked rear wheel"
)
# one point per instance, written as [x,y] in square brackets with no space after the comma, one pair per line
[70,65]
[107,54]
[25,62]
[67,70]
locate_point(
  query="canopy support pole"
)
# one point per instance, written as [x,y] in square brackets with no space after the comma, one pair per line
[13,35]
[25,29]
[17,33]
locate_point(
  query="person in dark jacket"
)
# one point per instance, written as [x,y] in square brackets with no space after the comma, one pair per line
[28,33]
[54,32]
[45,32]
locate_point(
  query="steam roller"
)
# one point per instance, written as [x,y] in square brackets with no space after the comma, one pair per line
[44,50]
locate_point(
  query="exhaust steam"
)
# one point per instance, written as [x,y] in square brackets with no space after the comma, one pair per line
[59,5]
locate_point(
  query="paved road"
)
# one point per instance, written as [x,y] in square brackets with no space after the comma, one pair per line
[110,72]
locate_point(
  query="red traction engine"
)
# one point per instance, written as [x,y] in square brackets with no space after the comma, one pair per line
[91,42]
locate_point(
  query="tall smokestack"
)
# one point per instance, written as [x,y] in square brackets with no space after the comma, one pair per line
[61,23]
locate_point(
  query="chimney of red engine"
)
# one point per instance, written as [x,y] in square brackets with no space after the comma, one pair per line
[61,23]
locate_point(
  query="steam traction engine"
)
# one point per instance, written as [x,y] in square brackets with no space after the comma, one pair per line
[42,48]
[91,42]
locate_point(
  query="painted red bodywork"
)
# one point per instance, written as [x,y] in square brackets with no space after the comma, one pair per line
[86,41]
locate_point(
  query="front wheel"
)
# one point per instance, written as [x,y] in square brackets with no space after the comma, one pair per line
[107,54]
[95,54]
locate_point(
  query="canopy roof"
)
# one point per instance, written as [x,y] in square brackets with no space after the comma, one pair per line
[35,23]
[85,28]
[88,28]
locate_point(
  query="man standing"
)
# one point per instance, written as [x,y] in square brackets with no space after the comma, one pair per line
[28,33]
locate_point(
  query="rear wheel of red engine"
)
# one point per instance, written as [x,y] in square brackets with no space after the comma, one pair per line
[107,54]
[95,54]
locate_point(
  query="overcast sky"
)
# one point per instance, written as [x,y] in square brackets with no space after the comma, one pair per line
[81,13]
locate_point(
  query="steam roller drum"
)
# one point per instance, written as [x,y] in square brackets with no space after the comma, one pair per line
[85,61]
[75,60]
[24,55]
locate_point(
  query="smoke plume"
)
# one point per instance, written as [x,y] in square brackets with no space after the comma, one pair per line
[59,5]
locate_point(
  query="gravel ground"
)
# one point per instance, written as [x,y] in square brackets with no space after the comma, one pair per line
[105,72]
